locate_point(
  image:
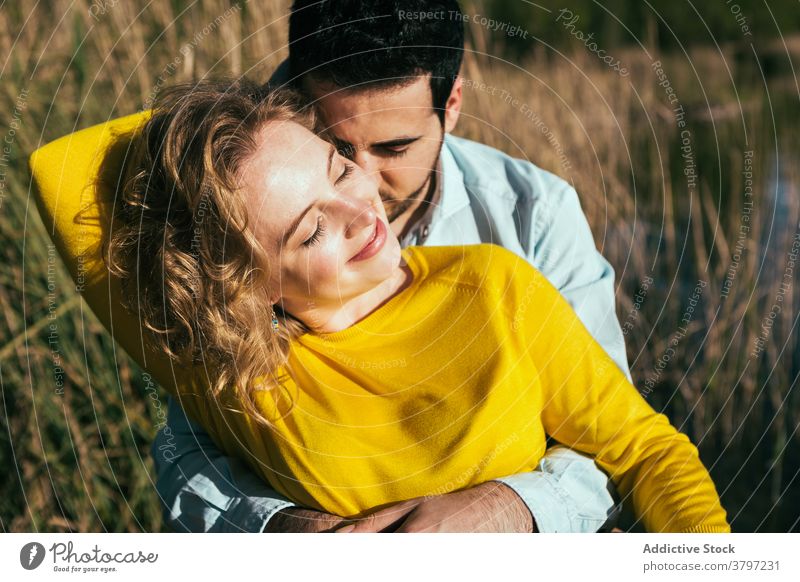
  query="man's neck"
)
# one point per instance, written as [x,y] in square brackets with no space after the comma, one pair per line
[404,223]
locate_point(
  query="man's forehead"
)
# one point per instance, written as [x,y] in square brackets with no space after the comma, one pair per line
[381,88]
[338,105]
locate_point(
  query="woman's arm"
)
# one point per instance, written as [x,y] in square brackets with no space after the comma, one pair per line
[589,405]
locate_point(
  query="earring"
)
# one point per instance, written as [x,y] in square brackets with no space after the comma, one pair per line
[274,320]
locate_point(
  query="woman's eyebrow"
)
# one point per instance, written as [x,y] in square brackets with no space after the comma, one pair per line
[296,222]
[331,153]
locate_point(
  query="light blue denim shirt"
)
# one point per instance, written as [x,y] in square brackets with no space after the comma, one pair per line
[484,196]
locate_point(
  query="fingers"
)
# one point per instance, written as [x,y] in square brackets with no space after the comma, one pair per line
[384,520]
[412,525]
[301,520]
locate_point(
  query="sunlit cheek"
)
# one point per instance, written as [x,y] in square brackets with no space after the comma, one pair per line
[318,269]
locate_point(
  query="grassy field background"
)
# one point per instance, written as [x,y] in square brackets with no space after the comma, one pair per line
[708,299]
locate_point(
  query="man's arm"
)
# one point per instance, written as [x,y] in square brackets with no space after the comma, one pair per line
[204,491]
[561,246]
[567,493]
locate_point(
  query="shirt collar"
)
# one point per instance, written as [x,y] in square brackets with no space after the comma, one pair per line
[454,195]
[449,196]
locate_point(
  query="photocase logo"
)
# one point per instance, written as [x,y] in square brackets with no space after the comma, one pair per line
[31,555]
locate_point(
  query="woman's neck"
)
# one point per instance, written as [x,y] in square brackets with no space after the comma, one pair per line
[333,318]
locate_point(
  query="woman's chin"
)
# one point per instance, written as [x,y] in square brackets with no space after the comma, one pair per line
[384,266]
[394,251]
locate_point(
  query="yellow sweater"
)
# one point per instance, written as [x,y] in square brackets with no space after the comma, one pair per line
[454,382]
[427,395]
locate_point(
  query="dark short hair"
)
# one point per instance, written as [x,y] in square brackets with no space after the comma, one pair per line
[353,43]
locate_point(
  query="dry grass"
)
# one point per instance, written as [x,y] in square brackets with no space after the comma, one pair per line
[80,458]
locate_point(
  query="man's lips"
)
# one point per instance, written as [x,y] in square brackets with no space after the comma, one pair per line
[374,244]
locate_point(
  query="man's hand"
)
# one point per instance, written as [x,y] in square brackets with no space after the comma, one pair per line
[298,520]
[489,507]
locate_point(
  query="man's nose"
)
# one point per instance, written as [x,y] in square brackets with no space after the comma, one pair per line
[371,167]
[366,161]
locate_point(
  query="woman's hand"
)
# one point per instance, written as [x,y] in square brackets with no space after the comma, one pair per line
[489,507]
[299,520]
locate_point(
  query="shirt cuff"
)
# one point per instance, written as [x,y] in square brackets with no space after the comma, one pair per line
[543,497]
[251,514]
[553,504]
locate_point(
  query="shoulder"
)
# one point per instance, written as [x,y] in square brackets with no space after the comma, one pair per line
[481,163]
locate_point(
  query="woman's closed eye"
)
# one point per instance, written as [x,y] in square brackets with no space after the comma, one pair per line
[348,170]
[318,234]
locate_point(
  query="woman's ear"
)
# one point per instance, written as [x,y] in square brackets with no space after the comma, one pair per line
[453,106]
[272,286]
[273,296]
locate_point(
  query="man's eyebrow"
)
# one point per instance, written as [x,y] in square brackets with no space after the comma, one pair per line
[396,142]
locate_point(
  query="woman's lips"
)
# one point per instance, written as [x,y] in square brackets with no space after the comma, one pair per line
[375,243]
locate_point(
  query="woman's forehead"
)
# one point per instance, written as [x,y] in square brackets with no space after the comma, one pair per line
[282,176]
[285,151]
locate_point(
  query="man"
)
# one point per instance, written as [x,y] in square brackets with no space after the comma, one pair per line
[384,77]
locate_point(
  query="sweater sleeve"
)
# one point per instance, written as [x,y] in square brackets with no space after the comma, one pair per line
[589,405]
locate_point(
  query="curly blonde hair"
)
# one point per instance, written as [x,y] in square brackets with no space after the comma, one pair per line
[190,268]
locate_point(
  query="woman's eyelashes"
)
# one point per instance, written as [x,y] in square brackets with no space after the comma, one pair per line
[320,231]
[348,170]
[318,234]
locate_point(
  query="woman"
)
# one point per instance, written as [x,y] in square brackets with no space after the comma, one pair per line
[350,374]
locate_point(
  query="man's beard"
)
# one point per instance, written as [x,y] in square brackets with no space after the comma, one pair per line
[396,208]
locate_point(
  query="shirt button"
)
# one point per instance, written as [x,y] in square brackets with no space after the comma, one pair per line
[425,232]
